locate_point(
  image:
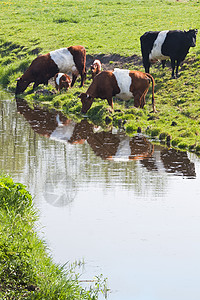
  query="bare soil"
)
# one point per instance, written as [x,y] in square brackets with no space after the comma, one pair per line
[111,61]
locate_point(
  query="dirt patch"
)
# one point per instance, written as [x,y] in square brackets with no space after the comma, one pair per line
[45,91]
[111,61]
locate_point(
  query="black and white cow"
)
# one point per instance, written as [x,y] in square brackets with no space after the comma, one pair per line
[168,44]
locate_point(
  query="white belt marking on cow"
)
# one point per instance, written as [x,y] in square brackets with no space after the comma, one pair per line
[124,83]
[58,77]
[156,53]
[64,60]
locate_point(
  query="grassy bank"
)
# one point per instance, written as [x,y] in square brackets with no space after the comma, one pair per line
[108,27]
[26,270]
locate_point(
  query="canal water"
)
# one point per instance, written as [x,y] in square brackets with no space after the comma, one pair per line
[126,207]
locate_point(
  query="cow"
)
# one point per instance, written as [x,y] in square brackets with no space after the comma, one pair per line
[95,68]
[168,44]
[62,81]
[123,84]
[43,67]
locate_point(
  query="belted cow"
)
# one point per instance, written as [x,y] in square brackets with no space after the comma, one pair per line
[43,67]
[123,84]
[168,44]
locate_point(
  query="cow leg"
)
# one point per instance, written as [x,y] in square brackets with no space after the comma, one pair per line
[147,67]
[74,76]
[83,78]
[137,99]
[35,85]
[177,66]
[146,64]
[173,67]
[163,63]
[110,101]
[142,99]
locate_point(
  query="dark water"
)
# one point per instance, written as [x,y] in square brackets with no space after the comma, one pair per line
[129,208]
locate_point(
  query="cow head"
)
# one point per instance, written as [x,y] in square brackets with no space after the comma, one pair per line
[86,102]
[191,35]
[93,67]
[65,82]
[21,85]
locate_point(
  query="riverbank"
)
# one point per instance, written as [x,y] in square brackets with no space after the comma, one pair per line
[27,270]
[177,101]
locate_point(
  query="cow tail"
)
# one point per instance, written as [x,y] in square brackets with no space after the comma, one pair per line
[153,85]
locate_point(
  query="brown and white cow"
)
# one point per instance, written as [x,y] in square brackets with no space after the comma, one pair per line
[95,68]
[62,81]
[43,67]
[123,84]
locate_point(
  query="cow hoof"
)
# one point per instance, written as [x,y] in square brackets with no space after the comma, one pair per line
[153,111]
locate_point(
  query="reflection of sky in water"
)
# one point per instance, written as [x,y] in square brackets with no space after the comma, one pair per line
[147,245]
[134,221]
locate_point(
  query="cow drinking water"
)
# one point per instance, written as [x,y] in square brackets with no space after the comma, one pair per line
[43,67]
[123,84]
[168,44]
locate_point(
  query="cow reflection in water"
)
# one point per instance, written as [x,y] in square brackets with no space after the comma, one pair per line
[170,161]
[42,121]
[107,145]
[175,161]
[119,147]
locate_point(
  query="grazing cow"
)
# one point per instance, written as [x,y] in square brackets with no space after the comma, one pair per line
[123,84]
[95,68]
[168,44]
[62,81]
[43,67]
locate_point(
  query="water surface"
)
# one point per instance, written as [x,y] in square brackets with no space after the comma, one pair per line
[129,208]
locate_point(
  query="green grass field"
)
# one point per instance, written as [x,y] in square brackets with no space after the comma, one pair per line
[112,26]
[29,28]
